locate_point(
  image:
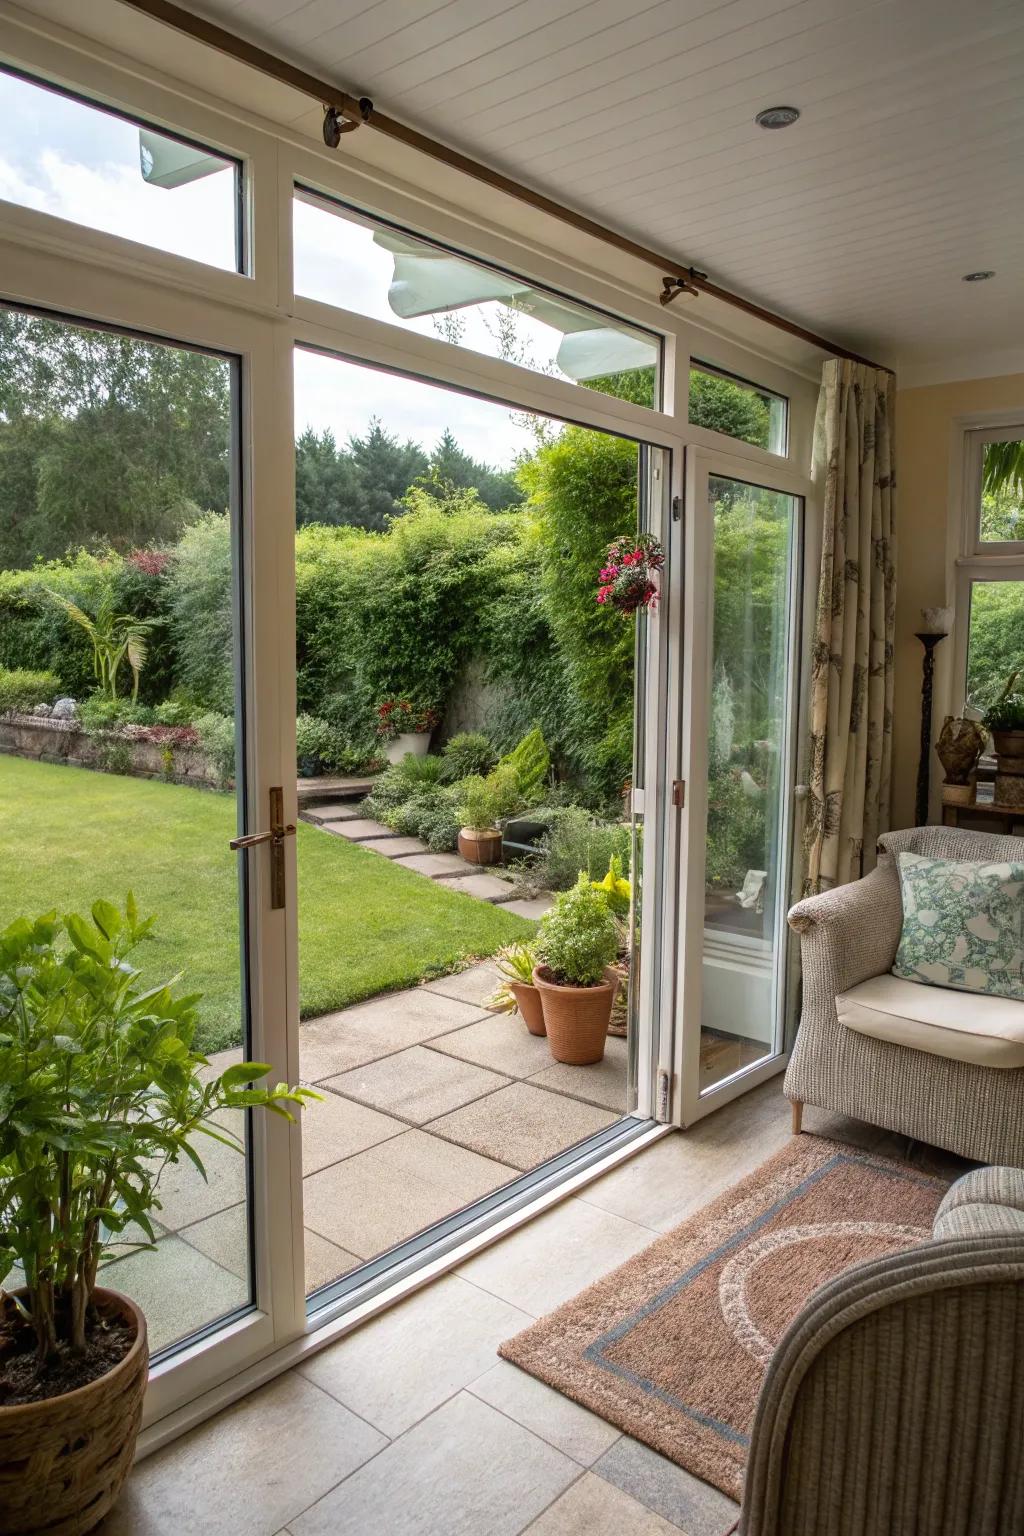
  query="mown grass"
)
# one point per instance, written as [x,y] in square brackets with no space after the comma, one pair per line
[366,925]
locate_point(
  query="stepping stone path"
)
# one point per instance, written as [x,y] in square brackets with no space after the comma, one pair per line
[346,818]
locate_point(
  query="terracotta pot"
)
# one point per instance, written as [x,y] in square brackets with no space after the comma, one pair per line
[531,1008]
[63,1460]
[576,1018]
[480,847]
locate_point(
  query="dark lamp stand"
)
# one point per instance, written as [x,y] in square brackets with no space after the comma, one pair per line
[929,641]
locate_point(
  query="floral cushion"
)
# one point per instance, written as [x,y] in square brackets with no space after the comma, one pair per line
[963,925]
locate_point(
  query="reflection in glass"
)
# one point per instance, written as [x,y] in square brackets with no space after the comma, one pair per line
[995,646]
[356,263]
[747,874]
[1002,492]
[737,408]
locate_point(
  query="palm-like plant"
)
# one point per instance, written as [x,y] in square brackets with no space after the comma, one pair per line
[115,637]
[1004,468]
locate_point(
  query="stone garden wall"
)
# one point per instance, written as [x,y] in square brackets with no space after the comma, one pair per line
[64,741]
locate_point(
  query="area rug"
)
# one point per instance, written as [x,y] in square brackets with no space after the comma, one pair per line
[673,1346]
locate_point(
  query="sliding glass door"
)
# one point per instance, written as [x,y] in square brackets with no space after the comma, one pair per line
[745,534]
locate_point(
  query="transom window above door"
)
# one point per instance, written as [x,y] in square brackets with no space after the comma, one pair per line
[990,579]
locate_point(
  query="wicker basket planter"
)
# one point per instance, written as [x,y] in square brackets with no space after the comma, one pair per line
[576,1018]
[63,1460]
[530,1005]
[480,847]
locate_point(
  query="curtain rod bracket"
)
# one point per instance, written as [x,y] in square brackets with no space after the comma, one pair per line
[672,287]
[336,123]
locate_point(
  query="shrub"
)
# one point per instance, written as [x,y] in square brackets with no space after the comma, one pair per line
[435,819]
[114,755]
[217,739]
[100,713]
[578,937]
[174,711]
[465,755]
[478,804]
[316,744]
[530,761]
[577,843]
[21,689]
[736,830]
[199,578]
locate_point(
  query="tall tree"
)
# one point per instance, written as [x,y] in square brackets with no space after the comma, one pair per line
[452,469]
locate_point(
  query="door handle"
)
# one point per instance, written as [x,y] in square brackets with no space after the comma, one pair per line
[275,837]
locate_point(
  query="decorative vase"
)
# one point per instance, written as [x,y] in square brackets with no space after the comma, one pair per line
[575,1018]
[530,1005]
[1009,784]
[960,744]
[63,1460]
[416,742]
[480,847]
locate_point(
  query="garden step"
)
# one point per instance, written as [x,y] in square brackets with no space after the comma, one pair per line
[334,787]
[327,810]
[361,830]
[484,887]
[392,847]
[437,865]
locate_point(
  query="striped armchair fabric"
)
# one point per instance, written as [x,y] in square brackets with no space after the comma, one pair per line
[894,1404]
[849,935]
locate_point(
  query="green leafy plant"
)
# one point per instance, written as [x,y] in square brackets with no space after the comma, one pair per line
[100,713]
[578,937]
[515,963]
[578,842]
[1006,712]
[21,689]
[479,804]
[115,638]
[465,755]
[101,1090]
[531,762]
[315,744]
[614,888]
[217,740]
[114,755]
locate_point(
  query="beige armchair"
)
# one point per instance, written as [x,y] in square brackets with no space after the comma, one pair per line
[942,1066]
[894,1404]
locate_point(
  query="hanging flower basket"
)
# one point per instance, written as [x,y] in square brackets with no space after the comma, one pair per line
[628,577]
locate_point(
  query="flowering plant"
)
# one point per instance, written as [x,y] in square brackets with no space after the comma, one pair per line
[627,576]
[397,717]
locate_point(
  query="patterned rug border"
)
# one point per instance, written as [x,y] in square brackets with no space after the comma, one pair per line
[555,1365]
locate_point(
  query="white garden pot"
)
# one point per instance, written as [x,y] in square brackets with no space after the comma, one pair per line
[416,742]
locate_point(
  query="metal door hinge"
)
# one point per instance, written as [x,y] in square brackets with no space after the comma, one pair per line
[679,793]
[275,837]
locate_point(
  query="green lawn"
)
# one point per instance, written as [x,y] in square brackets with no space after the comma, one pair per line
[68,835]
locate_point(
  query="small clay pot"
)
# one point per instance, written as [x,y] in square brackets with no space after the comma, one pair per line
[480,847]
[531,1008]
[575,1018]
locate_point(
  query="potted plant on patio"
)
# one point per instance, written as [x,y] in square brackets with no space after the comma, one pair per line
[576,946]
[405,726]
[517,992]
[478,811]
[1005,719]
[100,1088]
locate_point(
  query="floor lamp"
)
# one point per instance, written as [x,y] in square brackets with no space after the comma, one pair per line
[936,624]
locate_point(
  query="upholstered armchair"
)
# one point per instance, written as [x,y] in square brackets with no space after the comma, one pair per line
[943,1066]
[894,1404]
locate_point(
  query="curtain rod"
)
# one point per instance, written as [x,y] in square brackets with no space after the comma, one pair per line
[361,112]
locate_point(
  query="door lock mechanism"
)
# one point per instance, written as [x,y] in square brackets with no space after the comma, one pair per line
[275,837]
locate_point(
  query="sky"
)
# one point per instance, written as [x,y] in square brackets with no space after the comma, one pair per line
[65,158]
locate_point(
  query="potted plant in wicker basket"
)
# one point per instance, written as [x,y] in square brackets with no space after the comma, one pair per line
[100,1088]
[576,945]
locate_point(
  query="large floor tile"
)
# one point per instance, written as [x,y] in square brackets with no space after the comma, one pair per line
[178,1288]
[676,1495]
[400,1367]
[686,1169]
[502,1042]
[522,1125]
[592,1507]
[464,1471]
[377,1198]
[557,1419]
[336,1042]
[476,984]
[555,1255]
[603,1083]
[337,1128]
[249,1469]
[416,1085]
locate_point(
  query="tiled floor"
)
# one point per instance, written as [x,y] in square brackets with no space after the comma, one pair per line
[412,1426]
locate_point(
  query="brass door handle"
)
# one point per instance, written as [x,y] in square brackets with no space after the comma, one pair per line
[275,837]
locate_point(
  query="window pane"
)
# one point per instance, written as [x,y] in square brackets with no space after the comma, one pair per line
[738,409]
[996,645]
[1002,492]
[84,163]
[345,259]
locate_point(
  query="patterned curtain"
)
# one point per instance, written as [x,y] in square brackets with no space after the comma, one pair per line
[850,750]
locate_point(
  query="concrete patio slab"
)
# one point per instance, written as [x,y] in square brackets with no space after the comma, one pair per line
[185,1196]
[330,810]
[379,1197]
[533,907]
[474,985]
[337,1128]
[603,1083]
[521,1125]
[501,1042]
[324,1261]
[417,1085]
[178,1288]
[483,887]
[336,1042]
[359,829]
[395,847]
[436,864]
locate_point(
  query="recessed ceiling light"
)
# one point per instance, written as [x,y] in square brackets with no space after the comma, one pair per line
[977,277]
[777,117]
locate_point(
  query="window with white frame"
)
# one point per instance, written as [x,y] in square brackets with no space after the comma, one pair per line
[990,582]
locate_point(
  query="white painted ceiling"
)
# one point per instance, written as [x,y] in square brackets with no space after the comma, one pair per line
[905,171]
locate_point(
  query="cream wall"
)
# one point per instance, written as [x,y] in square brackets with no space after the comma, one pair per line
[925,420]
